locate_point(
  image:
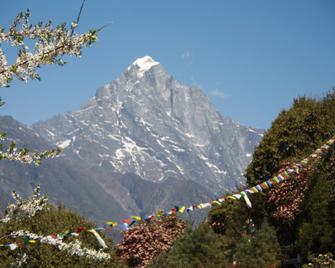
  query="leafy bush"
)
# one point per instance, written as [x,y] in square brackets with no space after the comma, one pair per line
[197,248]
[259,250]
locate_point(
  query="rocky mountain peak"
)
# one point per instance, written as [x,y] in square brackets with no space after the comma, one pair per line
[143,142]
[145,79]
[148,124]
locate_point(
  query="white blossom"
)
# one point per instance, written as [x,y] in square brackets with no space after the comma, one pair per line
[23,155]
[28,208]
[51,43]
[73,248]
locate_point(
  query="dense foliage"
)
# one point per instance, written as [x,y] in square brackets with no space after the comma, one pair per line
[245,241]
[197,248]
[294,134]
[258,250]
[302,209]
[316,232]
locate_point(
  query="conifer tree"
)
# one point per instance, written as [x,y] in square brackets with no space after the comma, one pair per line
[197,248]
[259,250]
[317,233]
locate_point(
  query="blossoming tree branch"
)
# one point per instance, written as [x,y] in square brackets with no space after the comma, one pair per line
[51,44]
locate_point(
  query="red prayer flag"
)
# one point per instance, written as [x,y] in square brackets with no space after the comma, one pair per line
[127,221]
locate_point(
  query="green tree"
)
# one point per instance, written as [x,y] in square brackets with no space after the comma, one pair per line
[317,233]
[294,134]
[197,248]
[259,250]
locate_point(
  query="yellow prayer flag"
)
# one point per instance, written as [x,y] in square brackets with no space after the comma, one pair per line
[200,206]
[254,189]
[216,202]
[264,185]
[182,209]
[136,218]
[112,223]
[275,178]
[159,213]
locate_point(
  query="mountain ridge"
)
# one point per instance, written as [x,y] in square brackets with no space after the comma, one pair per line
[143,97]
[142,142]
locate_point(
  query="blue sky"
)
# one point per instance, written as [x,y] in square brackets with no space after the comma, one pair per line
[250,57]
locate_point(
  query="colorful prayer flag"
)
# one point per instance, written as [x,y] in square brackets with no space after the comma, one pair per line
[269,184]
[126,221]
[98,237]
[12,246]
[246,199]
[190,208]
[136,218]
[216,202]
[238,196]
[264,185]
[275,179]
[182,209]
[259,188]
[112,223]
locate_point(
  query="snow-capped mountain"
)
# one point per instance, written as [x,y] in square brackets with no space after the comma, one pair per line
[147,124]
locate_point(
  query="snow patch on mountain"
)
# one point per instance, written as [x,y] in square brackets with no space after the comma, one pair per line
[144,64]
[63,144]
[50,133]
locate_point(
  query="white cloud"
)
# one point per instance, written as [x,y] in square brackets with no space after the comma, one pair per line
[217,93]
